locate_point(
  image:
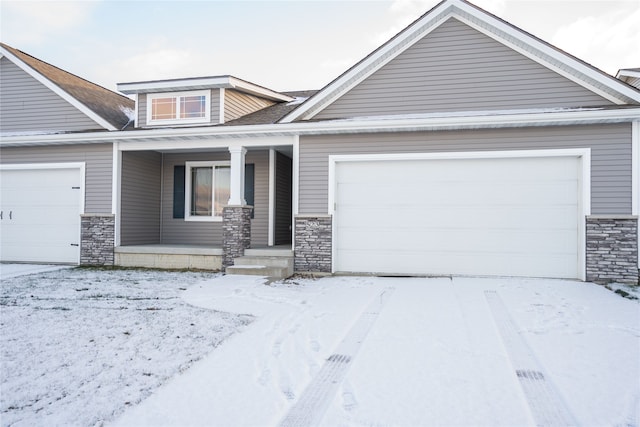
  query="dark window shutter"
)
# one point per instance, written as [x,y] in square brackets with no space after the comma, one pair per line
[178,192]
[249,185]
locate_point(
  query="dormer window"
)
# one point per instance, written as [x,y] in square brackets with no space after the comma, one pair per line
[179,107]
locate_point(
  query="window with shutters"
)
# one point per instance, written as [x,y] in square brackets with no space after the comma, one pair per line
[206,190]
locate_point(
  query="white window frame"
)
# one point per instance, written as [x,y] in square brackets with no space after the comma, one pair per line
[187,190]
[177,96]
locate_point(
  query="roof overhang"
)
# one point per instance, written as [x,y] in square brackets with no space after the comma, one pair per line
[535,49]
[410,123]
[198,83]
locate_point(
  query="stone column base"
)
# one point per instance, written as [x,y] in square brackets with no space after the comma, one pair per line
[313,243]
[97,239]
[612,249]
[236,233]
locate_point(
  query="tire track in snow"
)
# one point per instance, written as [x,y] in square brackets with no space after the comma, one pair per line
[315,399]
[545,402]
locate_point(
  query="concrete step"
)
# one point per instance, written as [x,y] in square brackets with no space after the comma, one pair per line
[259,270]
[269,261]
[270,252]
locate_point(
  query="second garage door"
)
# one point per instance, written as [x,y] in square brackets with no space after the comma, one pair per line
[470,216]
[40,214]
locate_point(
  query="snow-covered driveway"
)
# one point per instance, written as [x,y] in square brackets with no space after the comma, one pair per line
[396,351]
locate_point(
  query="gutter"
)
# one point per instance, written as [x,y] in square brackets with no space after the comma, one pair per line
[342,126]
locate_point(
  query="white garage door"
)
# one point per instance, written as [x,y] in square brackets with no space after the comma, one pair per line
[40,215]
[486,216]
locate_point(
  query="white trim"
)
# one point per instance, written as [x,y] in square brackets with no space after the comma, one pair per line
[221,106]
[116,191]
[627,73]
[282,133]
[236,181]
[584,154]
[137,111]
[272,197]
[187,190]
[177,120]
[58,90]
[198,83]
[635,176]
[635,169]
[532,48]
[295,197]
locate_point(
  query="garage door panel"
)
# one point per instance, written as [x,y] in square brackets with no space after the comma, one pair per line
[536,218]
[460,194]
[438,262]
[451,216]
[468,240]
[41,214]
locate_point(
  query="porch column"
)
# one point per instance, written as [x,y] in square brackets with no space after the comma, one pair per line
[236,190]
[236,217]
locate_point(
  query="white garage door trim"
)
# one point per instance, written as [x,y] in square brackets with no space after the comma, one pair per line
[584,198]
[80,166]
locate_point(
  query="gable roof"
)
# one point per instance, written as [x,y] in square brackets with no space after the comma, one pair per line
[107,108]
[522,42]
[630,76]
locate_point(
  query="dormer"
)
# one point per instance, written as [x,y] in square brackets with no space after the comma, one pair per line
[199,101]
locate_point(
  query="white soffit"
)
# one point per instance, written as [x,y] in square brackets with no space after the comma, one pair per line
[525,44]
[57,90]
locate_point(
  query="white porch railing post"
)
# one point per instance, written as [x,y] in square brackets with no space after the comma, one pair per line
[236,193]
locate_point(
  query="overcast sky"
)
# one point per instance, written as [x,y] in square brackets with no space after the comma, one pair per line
[284,45]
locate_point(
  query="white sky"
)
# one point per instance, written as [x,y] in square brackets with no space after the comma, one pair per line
[284,45]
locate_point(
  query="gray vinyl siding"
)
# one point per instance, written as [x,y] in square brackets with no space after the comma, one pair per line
[610,156]
[140,197]
[28,105]
[98,168]
[238,104]
[179,231]
[457,68]
[142,110]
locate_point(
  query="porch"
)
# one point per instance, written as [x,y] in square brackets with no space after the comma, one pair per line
[257,261]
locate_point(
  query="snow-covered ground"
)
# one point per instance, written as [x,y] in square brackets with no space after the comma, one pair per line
[338,351]
[79,346]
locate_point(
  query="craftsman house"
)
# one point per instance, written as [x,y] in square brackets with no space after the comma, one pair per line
[463,146]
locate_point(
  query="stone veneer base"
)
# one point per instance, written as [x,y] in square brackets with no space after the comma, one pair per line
[97,239]
[236,233]
[612,249]
[313,241]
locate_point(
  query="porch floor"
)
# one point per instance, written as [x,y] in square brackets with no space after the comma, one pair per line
[170,249]
[183,256]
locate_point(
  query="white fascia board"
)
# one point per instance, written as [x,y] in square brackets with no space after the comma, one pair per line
[627,73]
[258,135]
[253,89]
[173,85]
[546,55]
[58,90]
[215,82]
